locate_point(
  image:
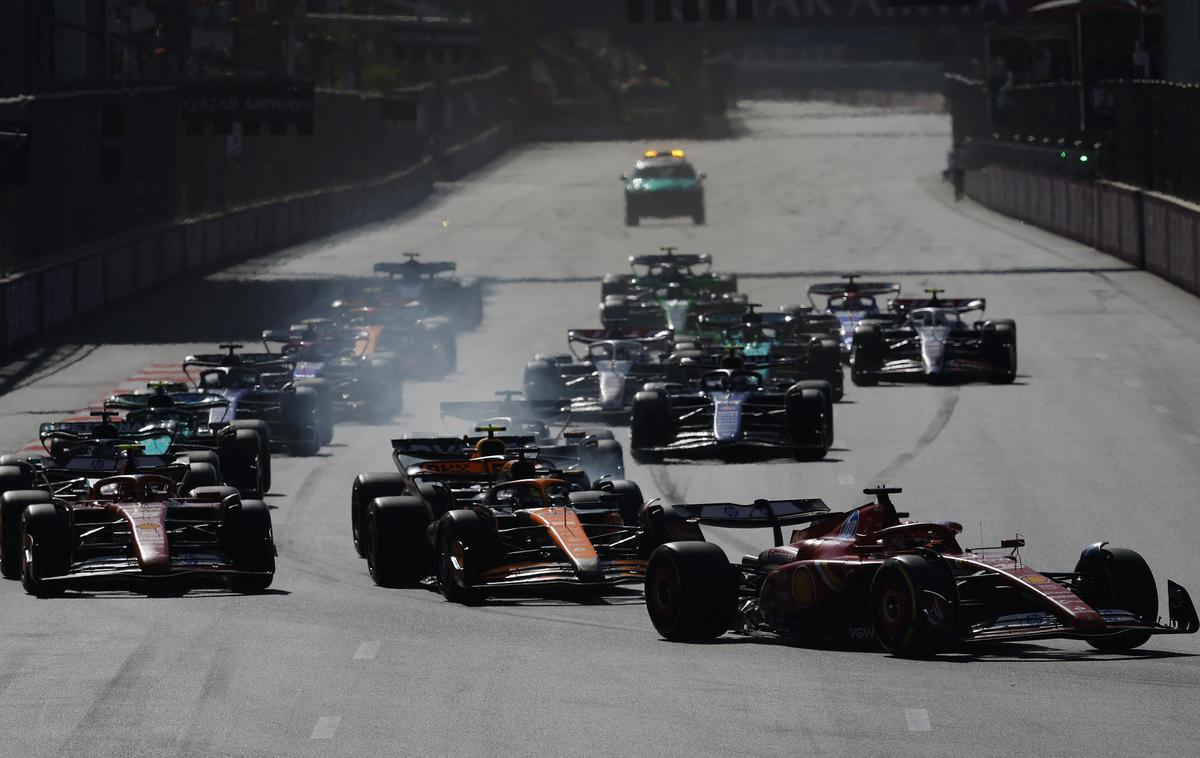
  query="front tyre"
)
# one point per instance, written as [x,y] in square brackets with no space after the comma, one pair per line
[691,591]
[1112,577]
[913,606]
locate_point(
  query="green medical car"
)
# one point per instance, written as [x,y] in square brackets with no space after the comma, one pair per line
[663,184]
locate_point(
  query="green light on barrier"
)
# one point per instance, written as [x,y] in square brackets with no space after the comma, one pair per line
[1063,154]
[1083,159]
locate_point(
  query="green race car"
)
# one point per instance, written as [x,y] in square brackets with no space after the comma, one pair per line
[663,184]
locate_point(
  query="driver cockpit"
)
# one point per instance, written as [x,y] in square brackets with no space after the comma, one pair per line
[731,381]
[932,317]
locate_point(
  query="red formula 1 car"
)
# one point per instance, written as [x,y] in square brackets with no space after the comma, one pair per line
[867,574]
[139,528]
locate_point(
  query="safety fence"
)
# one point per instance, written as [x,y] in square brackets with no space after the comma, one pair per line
[229,211]
[1152,231]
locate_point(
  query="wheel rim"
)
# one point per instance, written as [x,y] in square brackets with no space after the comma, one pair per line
[663,597]
[893,607]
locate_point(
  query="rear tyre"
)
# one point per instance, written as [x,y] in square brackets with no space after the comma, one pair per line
[631,499]
[827,391]
[199,475]
[251,545]
[302,410]
[398,549]
[366,488]
[206,456]
[650,425]
[324,406]
[241,456]
[913,606]
[45,539]
[1112,577]
[614,284]
[264,437]
[543,382]
[631,216]
[806,422]
[603,458]
[866,355]
[698,217]
[691,591]
[1001,340]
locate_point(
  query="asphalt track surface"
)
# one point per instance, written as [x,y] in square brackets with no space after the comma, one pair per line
[1099,439]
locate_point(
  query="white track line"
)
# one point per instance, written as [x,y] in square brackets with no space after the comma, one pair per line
[367,650]
[326,727]
[917,718]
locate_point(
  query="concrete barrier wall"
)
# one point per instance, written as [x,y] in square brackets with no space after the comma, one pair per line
[1145,229]
[40,299]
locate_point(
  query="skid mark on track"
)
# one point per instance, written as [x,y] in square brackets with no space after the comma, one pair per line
[112,724]
[940,419]
[669,490]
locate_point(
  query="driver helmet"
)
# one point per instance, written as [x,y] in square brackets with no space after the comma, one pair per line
[733,361]
[489,446]
[521,468]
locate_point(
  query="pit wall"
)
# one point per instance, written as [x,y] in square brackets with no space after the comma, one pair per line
[40,299]
[1152,231]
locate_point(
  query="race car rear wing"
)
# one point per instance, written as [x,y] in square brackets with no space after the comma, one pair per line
[760,514]
[646,335]
[833,289]
[670,258]
[187,401]
[961,304]
[413,266]
[432,448]
[249,360]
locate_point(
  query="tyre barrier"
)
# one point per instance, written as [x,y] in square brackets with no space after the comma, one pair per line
[1155,232]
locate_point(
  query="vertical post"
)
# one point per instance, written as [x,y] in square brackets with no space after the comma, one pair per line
[1079,71]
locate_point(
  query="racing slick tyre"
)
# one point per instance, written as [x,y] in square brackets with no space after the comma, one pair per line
[1000,341]
[826,361]
[614,312]
[827,390]
[366,488]
[602,458]
[806,413]
[665,523]
[12,505]
[324,406]
[438,496]
[866,354]
[46,549]
[301,408]
[543,382]
[631,216]
[691,591]
[398,549]
[264,437]
[913,606]
[631,499]
[206,456]
[199,475]
[241,456]
[650,425]
[1112,577]
[466,544]
[614,284]
[246,529]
